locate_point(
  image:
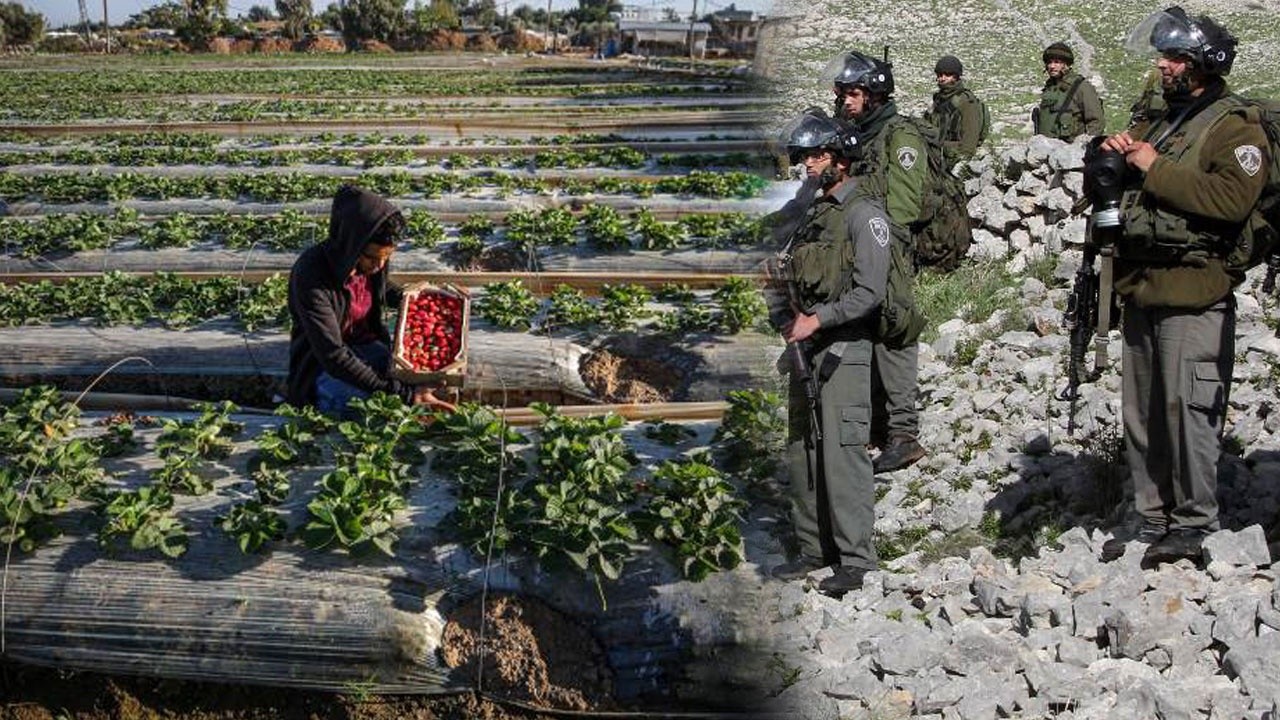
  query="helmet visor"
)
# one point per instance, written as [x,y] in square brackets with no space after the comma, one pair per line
[1165,31]
[845,70]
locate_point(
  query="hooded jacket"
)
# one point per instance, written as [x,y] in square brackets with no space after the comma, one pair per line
[318,301]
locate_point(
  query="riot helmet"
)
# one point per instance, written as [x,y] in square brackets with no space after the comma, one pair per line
[1205,43]
[853,69]
[815,130]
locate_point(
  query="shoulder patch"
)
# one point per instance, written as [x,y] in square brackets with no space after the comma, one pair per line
[1250,159]
[879,230]
[907,157]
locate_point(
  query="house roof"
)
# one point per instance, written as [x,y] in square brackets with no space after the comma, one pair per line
[625,25]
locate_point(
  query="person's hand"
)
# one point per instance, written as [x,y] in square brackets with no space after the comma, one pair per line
[1140,155]
[801,328]
[423,395]
[1119,142]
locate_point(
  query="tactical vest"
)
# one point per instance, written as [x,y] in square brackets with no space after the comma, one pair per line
[1156,234]
[823,254]
[1056,118]
[946,116]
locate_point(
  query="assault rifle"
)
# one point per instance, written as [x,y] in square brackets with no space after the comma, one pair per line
[1089,305]
[798,352]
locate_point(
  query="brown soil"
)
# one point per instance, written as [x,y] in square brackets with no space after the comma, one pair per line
[531,654]
[619,379]
[29,693]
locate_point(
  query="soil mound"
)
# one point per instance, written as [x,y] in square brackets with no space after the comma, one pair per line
[530,653]
[620,379]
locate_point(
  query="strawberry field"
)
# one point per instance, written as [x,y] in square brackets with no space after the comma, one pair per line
[602,219]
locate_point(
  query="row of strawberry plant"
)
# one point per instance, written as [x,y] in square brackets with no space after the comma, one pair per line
[29,108]
[286,187]
[328,139]
[357,83]
[600,226]
[616,157]
[114,298]
[734,307]
[585,504]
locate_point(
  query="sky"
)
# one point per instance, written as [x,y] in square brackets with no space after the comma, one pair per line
[61,12]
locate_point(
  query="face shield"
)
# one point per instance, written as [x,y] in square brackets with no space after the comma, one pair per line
[806,133]
[1166,31]
[848,69]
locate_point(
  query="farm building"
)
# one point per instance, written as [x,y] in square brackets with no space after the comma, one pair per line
[663,38]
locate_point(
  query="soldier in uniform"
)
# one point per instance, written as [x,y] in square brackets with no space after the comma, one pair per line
[839,264]
[956,113]
[1194,174]
[896,167]
[1069,104]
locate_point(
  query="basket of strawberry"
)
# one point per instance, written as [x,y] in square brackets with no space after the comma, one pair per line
[431,335]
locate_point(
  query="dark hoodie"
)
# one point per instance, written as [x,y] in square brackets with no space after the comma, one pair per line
[318,301]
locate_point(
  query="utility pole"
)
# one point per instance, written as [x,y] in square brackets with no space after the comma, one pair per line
[84,21]
[106,26]
[550,32]
[693,17]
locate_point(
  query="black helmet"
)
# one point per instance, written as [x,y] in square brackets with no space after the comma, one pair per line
[854,69]
[1201,40]
[949,64]
[1058,51]
[814,130]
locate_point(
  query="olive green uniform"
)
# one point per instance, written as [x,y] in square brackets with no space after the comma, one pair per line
[841,261]
[1069,107]
[1179,221]
[897,172]
[958,116]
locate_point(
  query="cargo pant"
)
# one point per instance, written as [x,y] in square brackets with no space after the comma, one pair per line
[1177,367]
[832,484]
[895,385]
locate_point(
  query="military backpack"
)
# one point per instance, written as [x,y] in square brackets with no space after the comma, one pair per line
[942,232]
[1261,235]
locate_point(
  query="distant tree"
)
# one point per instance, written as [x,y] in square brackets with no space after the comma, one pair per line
[381,20]
[259,13]
[531,17]
[296,16]
[331,18]
[19,27]
[481,13]
[203,22]
[438,15]
[595,11]
[169,15]
[669,14]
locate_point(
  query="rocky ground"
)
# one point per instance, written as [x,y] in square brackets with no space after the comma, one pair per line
[995,602]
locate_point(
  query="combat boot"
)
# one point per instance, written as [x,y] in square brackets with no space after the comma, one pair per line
[796,569]
[1149,534]
[844,580]
[903,451]
[1179,544]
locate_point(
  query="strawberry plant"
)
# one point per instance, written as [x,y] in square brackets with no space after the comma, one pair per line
[569,307]
[654,234]
[252,524]
[695,511]
[507,304]
[578,517]
[424,230]
[605,228]
[741,305]
[667,433]
[433,330]
[25,513]
[271,484]
[145,517]
[475,446]
[751,436]
[527,229]
[351,511]
[622,305]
